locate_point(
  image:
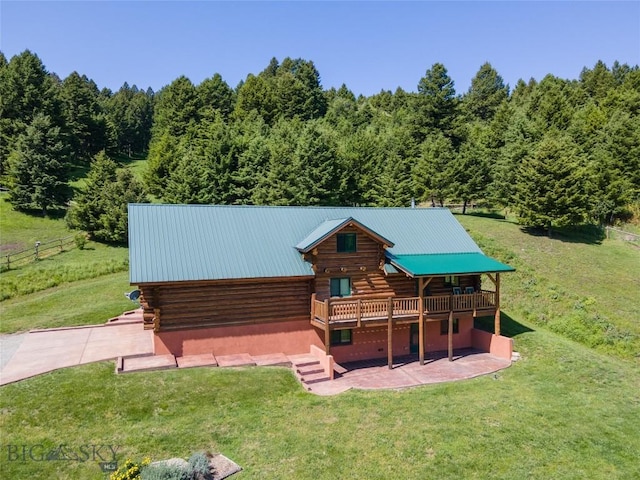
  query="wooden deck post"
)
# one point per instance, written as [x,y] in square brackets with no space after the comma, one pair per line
[390,333]
[313,306]
[450,339]
[327,328]
[359,313]
[421,319]
[497,318]
[156,320]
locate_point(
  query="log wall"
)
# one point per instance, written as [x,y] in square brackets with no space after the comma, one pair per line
[211,304]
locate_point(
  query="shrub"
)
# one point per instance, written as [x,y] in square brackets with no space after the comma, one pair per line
[130,470]
[199,467]
[165,471]
[80,240]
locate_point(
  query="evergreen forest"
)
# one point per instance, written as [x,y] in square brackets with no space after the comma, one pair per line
[553,152]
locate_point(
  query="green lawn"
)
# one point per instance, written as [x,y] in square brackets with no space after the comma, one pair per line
[86,302]
[66,267]
[19,231]
[563,411]
[578,285]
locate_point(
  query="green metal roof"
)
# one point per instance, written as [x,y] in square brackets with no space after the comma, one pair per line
[169,243]
[329,227]
[447,264]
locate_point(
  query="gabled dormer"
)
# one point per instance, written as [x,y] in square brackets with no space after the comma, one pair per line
[344,245]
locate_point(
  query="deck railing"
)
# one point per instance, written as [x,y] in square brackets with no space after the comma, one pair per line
[363,309]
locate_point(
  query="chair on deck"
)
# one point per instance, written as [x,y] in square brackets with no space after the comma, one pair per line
[468,290]
[457,291]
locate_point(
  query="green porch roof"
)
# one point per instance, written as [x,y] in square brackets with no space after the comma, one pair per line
[418,265]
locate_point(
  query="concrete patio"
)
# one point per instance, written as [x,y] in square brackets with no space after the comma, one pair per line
[124,340]
[407,372]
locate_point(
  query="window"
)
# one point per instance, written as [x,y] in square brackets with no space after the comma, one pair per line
[346,242]
[451,280]
[340,287]
[444,326]
[340,337]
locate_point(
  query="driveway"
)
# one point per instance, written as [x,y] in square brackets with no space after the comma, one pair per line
[39,351]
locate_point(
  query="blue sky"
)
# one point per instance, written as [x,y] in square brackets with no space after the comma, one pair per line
[369,46]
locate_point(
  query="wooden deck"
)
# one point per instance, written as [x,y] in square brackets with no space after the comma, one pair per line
[371,311]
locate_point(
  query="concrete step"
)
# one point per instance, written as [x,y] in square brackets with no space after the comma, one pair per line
[310,370]
[145,363]
[312,378]
[273,359]
[339,369]
[303,360]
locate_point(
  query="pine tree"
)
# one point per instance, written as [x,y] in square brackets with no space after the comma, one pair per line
[100,207]
[394,186]
[161,163]
[251,138]
[321,168]
[552,189]
[280,184]
[26,89]
[214,94]
[486,93]
[433,170]
[470,176]
[207,159]
[83,117]
[437,105]
[38,169]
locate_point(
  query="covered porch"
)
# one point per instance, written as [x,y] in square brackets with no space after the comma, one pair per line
[348,313]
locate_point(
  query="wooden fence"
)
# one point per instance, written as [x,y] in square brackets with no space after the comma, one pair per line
[38,251]
[633,238]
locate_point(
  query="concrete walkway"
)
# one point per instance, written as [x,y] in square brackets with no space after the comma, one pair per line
[123,339]
[41,351]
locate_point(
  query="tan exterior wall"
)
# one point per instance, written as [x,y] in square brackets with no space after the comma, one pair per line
[289,338]
[494,344]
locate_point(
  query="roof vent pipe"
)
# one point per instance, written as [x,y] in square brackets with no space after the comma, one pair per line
[413,202]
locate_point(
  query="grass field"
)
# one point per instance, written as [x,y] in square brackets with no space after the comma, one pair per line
[85,302]
[566,410]
[563,411]
[74,287]
[19,231]
[577,284]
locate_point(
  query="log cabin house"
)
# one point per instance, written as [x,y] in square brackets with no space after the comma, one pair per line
[349,283]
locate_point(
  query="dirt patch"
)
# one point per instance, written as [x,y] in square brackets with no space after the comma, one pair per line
[7,247]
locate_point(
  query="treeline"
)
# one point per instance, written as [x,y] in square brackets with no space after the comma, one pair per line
[555,152]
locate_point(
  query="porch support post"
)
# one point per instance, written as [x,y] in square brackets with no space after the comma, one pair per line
[450,339]
[156,320]
[390,333]
[327,328]
[497,318]
[421,319]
